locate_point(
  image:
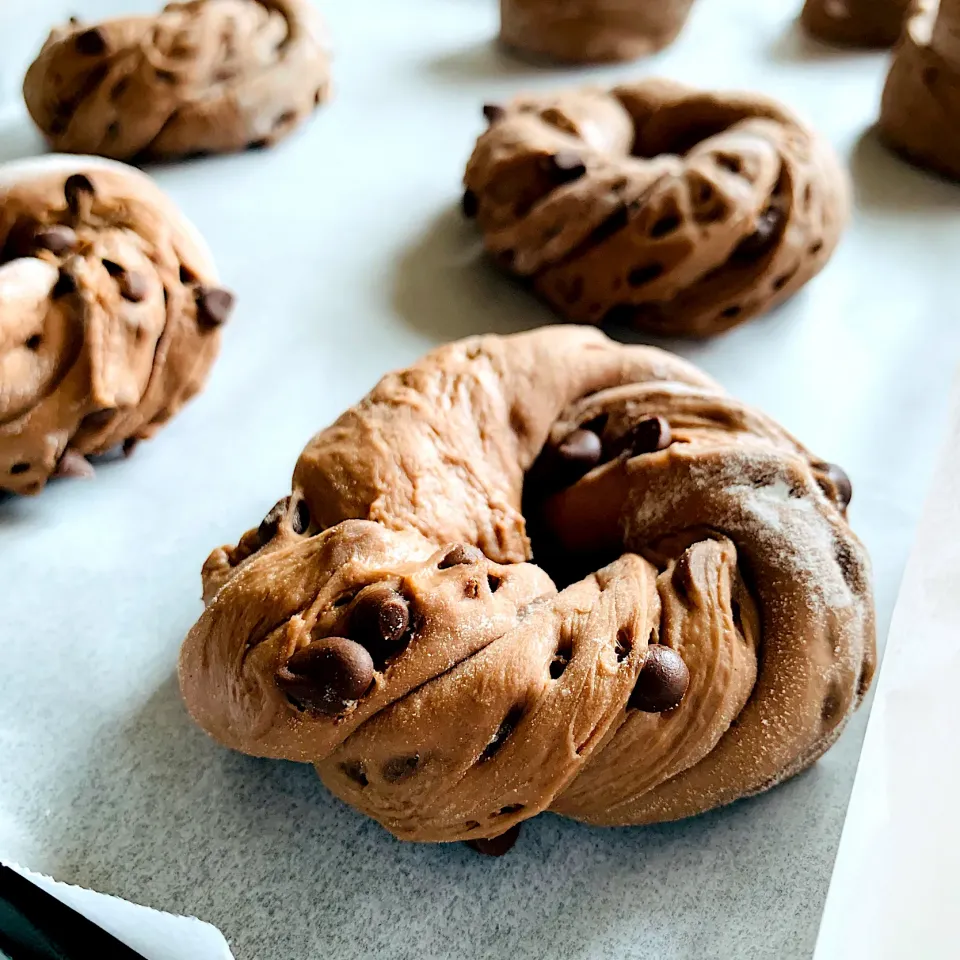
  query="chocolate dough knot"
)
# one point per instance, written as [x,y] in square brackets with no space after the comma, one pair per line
[200,77]
[677,212]
[463,619]
[109,314]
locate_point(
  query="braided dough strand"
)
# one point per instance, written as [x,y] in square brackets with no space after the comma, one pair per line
[502,692]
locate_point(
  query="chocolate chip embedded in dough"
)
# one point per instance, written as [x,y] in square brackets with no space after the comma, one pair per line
[380,619]
[327,675]
[400,768]
[58,239]
[98,419]
[496,846]
[581,450]
[78,191]
[566,166]
[470,205]
[493,112]
[270,524]
[459,555]
[213,306]
[91,43]
[647,436]
[300,520]
[841,483]
[132,285]
[760,241]
[662,682]
[65,285]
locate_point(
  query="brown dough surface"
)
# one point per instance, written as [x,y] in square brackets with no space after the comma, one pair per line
[856,23]
[920,109]
[507,695]
[104,337]
[591,31]
[677,212]
[206,76]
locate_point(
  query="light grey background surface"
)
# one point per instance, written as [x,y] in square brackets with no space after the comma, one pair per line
[349,258]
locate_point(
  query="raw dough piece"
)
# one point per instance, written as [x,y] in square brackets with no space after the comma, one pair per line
[385,622]
[206,76]
[110,312]
[651,204]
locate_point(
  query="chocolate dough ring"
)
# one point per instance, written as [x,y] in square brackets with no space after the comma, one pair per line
[855,23]
[920,109]
[109,314]
[208,76]
[385,622]
[676,212]
[591,31]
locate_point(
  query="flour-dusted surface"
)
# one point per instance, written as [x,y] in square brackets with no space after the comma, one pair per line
[349,258]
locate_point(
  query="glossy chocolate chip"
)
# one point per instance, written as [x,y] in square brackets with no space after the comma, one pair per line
[213,306]
[662,682]
[73,464]
[493,112]
[841,483]
[647,436]
[77,191]
[380,619]
[91,43]
[566,166]
[496,846]
[581,449]
[270,524]
[470,204]
[65,285]
[58,239]
[133,286]
[459,555]
[300,520]
[327,675]
[759,242]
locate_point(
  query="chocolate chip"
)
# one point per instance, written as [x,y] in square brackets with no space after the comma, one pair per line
[33,342]
[647,436]
[21,467]
[380,620]
[566,166]
[213,306]
[842,485]
[759,242]
[91,43]
[327,675]
[270,524]
[129,445]
[133,286]
[400,768]
[580,450]
[57,239]
[78,191]
[65,285]
[301,517]
[493,112]
[470,204]
[662,682]
[98,419]
[459,555]
[73,464]
[355,771]
[495,846]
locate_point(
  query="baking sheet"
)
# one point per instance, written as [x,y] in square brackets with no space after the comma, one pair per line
[349,258]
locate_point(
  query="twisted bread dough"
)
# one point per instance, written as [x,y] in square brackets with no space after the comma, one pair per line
[859,23]
[920,109]
[679,212]
[591,31]
[451,692]
[199,77]
[109,314]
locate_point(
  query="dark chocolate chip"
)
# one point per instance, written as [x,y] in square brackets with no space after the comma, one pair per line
[33,342]
[647,436]
[270,524]
[649,272]
[566,166]
[18,468]
[400,768]
[380,619]
[73,464]
[459,555]
[213,306]
[507,726]
[495,846]
[91,43]
[65,285]
[354,770]
[761,240]
[470,204]
[662,682]
[841,483]
[57,239]
[580,451]
[77,189]
[133,286]
[129,445]
[300,520]
[493,112]
[98,419]
[327,675]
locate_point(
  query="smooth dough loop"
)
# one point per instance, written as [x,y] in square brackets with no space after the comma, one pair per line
[856,23]
[591,31]
[385,622]
[676,212]
[207,76]
[920,109]
[109,314]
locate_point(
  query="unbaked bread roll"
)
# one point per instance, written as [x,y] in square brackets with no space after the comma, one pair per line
[856,23]
[110,314]
[677,212]
[205,76]
[920,109]
[698,627]
[591,31]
